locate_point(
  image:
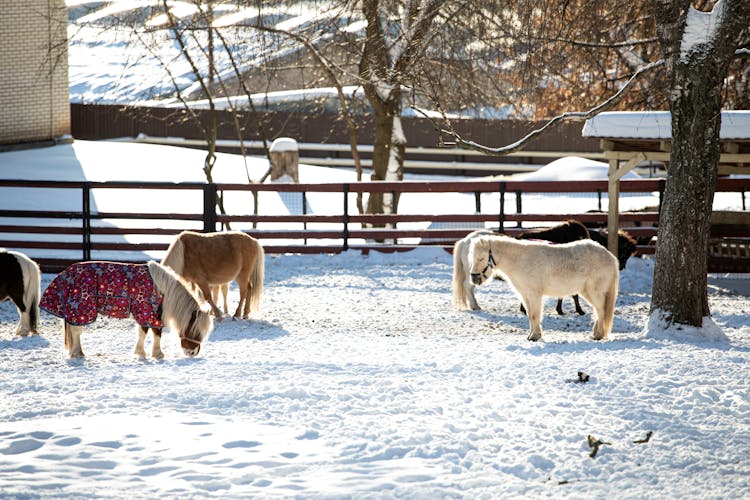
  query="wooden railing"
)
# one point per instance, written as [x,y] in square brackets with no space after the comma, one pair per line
[56,238]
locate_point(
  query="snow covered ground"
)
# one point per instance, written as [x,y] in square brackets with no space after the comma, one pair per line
[358,379]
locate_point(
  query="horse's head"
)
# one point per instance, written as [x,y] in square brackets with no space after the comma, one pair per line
[181,309]
[626,247]
[481,259]
[198,328]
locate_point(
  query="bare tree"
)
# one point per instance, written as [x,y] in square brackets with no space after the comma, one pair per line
[389,53]
[699,48]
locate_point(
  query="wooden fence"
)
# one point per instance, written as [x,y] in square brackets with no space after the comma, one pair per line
[57,238]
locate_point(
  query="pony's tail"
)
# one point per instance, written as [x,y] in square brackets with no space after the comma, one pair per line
[175,256]
[32,278]
[460,299]
[255,283]
[609,303]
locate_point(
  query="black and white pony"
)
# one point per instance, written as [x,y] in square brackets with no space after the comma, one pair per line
[536,269]
[20,281]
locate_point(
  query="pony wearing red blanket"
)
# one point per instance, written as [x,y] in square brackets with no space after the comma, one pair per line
[152,294]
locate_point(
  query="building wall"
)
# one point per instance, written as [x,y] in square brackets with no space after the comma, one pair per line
[34,93]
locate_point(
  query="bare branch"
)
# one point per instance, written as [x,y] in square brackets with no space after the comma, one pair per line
[571,115]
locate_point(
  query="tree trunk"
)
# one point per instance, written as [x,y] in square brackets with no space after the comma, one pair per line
[696,72]
[388,154]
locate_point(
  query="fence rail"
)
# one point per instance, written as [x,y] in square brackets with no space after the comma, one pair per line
[83,232]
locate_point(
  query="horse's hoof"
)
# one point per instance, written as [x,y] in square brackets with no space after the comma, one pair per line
[533,337]
[159,355]
[581,312]
[77,355]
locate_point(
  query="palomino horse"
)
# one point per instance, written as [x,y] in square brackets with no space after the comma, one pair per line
[536,268]
[20,280]
[154,295]
[214,259]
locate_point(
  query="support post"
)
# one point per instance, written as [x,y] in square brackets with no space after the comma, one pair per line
[613,212]
[346,217]
[209,208]
[86,209]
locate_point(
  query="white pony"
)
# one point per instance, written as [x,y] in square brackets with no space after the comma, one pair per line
[535,269]
[463,288]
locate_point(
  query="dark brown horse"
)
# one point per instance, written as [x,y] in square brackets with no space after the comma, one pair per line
[626,244]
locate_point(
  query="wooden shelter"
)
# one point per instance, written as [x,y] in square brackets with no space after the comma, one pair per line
[629,138]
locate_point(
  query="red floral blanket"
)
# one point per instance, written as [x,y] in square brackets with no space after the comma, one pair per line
[113,289]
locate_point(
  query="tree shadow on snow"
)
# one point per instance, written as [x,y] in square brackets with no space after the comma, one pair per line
[231,330]
[24,343]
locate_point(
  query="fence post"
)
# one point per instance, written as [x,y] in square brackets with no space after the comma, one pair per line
[304,212]
[209,208]
[346,217]
[86,216]
[478,202]
[519,208]
[501,215]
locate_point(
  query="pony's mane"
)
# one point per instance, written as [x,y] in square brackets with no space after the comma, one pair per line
[175,256]
[180,304]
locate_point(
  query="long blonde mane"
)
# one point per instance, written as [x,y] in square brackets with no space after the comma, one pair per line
[175,256]
[180,304]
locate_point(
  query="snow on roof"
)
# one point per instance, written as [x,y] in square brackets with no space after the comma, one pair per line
[657,125]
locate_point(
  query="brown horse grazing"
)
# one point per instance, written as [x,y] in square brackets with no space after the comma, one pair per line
[214,259]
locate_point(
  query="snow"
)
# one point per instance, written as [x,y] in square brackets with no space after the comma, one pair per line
[283,144]
[657,125]
[571,168]
[358,379]
[700,29]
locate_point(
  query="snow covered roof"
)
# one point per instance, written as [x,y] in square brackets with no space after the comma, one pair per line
[657,125]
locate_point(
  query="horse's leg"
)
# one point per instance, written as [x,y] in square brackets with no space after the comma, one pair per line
[246,309]
[24,320]
[243,280]
[206,291]
[215,290]
[534,310]
[469,287]
[597,302]
[579,310]
[73,340]
[139,350]
[559,308]
[224,291]
[156,348]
